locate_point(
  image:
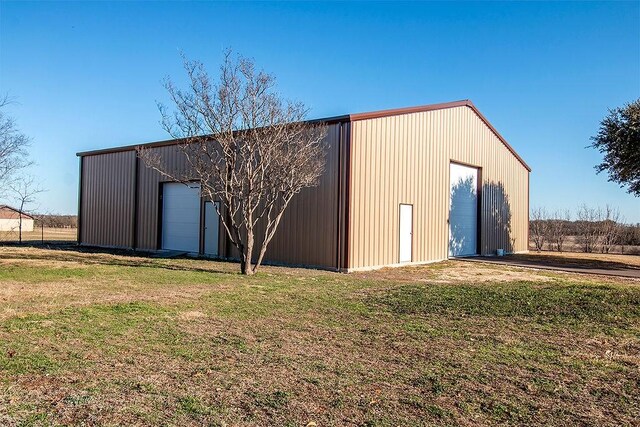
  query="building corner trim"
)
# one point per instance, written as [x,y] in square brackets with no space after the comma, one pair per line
[80,184]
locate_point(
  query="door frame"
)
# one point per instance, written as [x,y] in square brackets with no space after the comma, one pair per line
[478,202]
[399,233]
[159,228]
[204,228]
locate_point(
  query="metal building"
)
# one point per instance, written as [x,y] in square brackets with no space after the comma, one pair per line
[402,186]
[10,219]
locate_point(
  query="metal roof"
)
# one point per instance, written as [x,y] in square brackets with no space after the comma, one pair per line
[346,118]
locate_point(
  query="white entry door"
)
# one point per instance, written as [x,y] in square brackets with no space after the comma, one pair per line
[463,213]
[181,217]
[406,232]
[211,228]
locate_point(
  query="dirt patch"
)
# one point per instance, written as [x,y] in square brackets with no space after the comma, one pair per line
[191,315]
[40,235]
[454,272]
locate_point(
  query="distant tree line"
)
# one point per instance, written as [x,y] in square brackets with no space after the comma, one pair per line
[595,229]
[56,221]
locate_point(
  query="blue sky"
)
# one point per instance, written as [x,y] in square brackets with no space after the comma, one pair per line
[87,75]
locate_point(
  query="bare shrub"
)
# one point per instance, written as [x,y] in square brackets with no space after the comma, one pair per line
[24,190]
[558,229]
[538,227]
[610,229]
[588,227]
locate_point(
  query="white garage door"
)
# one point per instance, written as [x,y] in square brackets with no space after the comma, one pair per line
[463,214]
[181,217]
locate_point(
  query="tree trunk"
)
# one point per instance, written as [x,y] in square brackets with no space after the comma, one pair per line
[245,262]
[271,230]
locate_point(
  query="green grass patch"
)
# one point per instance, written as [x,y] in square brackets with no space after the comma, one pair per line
[163,274]
[193,405]
[27,274]
[270,401]
[265,296]
[566,303]
[42,342]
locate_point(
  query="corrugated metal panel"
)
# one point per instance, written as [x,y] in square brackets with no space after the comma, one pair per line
[405,159]
[307,235]
[107,200]
[149,182]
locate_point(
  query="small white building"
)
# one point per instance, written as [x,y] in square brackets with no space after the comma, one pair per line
[10,219]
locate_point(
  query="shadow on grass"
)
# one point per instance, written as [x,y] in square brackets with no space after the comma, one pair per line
[72,252]
[570,262]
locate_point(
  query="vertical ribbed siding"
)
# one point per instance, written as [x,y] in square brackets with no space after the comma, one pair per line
[308,232]
[307,235]
[149,182]
[107,200]
[405,159]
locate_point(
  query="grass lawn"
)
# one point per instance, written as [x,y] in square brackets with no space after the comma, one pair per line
[99,339]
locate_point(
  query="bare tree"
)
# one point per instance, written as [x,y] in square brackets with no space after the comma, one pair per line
[24,190]
[629,236]
[249,149]
[588,227]
[13,147]
[558,229]
[538,227]
[610,229]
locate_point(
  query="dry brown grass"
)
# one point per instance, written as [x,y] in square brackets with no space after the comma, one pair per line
[104,339]
[39,235]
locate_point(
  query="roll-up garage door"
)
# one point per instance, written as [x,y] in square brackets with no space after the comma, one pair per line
[181,217]
[463,214]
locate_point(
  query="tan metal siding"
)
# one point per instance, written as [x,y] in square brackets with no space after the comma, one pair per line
[107,200]
[405,159]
